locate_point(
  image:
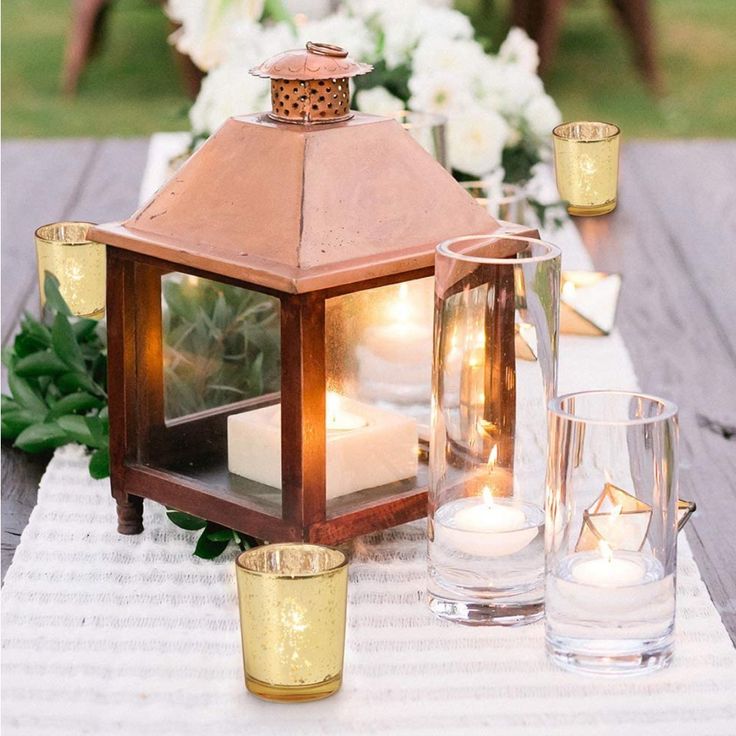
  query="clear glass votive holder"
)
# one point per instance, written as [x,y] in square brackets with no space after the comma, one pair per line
[611,532]
[293,600]
[508,202]
[586,166]
[62,249]
[429,130]
[494,370]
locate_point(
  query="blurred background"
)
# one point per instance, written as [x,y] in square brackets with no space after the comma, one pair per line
[133,85]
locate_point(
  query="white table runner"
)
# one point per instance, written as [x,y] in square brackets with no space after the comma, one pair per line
[105,634]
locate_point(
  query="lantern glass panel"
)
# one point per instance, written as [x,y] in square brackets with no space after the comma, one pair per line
[378,400]
[221,344]
[221,354]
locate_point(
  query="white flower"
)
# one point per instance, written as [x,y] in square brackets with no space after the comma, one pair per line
[378,101]
[476,140]
[459,56]
[206,25]
[519,49]
[343,30]
[443,92]
[228,90]
[506,88]
[542,115]
[404,23]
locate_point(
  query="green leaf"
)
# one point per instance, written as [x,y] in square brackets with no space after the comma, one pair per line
[40,437]
[79,401]
[220,535]
[186,521]
[208,549]
[14,421]
[78,430]
[43,363]
[54,299]
[25,395]
[99,463]
[65,343]
[84,328]
[78,381]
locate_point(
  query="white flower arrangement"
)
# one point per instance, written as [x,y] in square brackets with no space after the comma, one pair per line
[426,58]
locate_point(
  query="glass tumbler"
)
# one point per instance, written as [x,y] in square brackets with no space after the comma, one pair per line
[586,166]
[62,249]
[293,601]
[508,202]
[429,130]
[611,532]
[495,367]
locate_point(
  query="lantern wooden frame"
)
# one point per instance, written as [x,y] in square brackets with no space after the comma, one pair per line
[304,213]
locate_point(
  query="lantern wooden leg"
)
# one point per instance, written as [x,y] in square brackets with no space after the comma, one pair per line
[130,514]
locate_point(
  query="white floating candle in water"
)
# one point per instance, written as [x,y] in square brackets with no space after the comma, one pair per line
[607,570]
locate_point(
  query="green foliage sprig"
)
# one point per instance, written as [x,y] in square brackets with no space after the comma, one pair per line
[214,539]
[57,375]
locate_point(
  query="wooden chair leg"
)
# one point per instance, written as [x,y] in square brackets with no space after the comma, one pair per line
[83,36]
[636,17]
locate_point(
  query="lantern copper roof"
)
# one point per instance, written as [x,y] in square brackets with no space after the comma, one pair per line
[315,61]
[298,208]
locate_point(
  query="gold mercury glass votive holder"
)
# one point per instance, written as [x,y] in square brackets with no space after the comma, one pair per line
[293,600]
[586,166]
[63,249]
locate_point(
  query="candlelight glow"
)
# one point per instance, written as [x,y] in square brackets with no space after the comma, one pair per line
[333,407]
[605,550]
[401,308]
[487,496]
[492,457]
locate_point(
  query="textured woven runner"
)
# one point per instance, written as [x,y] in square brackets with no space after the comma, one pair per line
[105,634]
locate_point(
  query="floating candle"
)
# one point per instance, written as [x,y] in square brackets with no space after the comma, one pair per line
[605,569]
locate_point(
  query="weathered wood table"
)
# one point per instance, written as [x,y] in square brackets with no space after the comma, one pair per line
[673,237]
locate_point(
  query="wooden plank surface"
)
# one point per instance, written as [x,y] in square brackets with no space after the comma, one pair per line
[44,181]
[673,237]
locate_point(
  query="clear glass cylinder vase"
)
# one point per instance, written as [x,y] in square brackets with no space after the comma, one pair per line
[611,532]
[494,371]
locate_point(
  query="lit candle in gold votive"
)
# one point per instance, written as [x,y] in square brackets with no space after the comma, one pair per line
[586,166]
[293,600]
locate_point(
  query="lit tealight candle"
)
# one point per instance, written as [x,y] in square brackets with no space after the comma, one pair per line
[339,420]
[607,570]
[484,526]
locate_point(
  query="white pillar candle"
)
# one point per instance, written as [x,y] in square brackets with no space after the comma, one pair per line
[366,447]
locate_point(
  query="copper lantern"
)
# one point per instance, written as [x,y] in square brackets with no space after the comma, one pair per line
[281,386]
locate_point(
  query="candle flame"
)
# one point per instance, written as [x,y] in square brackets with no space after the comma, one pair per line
[568,289]
[487,496]
[492,457]
[333,407]
[605,550]
[401,308]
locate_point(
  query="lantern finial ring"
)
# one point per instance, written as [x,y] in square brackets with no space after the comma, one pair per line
[326,49]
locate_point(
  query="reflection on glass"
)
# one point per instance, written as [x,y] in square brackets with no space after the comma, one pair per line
[221,344]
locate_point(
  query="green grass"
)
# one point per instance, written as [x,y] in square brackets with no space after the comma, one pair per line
[133,88]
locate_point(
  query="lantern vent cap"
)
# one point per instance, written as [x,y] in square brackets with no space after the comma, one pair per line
[315,61]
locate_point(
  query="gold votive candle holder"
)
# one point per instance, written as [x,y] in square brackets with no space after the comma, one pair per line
[63,250]
[293,600]
[586,166]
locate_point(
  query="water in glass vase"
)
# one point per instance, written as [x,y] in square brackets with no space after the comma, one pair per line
[611,615]
[486,561]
